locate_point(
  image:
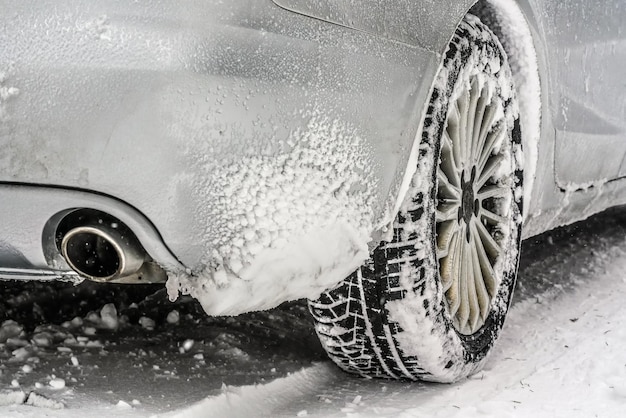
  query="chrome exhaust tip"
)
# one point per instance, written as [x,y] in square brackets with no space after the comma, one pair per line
[100,247]
[102,253]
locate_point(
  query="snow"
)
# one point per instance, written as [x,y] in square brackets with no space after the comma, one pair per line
[9,329]
[560,354]
[272,397]
[285,225]
[7,92]
[12,398]
[57,383]
[108,316]
[307,270]
[147,323]
[173,317]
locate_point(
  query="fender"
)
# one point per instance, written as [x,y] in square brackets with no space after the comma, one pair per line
[426,24]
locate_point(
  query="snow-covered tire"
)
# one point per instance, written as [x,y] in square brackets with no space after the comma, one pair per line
[430,304]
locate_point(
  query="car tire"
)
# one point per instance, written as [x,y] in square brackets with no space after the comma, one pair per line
[429,304]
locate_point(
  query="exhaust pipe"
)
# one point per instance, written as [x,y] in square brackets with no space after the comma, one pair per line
[102,253]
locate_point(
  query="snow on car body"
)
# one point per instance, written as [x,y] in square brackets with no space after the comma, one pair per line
[257,151]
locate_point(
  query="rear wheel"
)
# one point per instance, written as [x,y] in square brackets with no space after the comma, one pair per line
[430,304]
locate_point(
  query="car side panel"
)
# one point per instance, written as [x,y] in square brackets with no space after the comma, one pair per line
[587,54]
[554,203]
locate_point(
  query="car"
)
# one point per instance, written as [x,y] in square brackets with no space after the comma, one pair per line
[382,159]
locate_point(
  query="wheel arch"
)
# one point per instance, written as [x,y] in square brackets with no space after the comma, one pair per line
[511,24]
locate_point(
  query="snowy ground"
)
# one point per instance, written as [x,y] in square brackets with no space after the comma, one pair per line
[68,353]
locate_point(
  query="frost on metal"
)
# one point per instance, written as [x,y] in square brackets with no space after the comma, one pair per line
[7,92]
[285,225]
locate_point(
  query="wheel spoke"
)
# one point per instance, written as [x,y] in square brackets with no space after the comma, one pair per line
[493,139]
[492,191]
[450,191]
[463,312]
[454,133]
[449,165]
[447,211]
[487,123]
[474,95]
[482,294]
[450,273]
[489,170]
[472,276]
[477,140]
[464,109]
[491,217]
[488,274]
[445,234]
[491,246]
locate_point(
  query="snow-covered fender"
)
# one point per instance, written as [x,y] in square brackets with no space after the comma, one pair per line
[425,25]
[428,24]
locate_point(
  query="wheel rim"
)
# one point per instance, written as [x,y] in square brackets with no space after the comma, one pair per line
[473,200]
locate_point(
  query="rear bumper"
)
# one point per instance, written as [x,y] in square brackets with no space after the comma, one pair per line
[30,216]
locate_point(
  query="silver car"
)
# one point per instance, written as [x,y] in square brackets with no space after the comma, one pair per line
[383,159]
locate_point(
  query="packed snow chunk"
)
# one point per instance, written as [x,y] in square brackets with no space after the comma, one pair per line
[42,339]
[282,224]
[173,317]
[89,331]
[108,316]
[40,401]
[57,383]
[123,405]
[147,323]
[305,267]
[188,345]
[9,329]
[22,353]
[12,398]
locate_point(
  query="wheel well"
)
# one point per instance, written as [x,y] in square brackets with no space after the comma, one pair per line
[508,23]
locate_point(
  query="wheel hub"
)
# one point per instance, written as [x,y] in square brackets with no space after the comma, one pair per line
[469,204]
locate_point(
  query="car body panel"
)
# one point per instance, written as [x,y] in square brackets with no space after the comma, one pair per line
[31,213]
[419,23]
[587,55]
[224,133]
[156,104]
